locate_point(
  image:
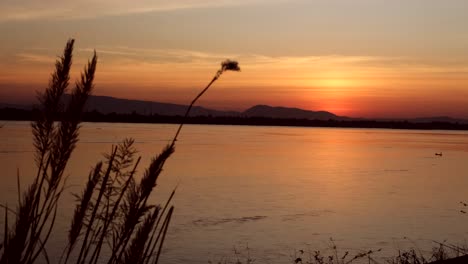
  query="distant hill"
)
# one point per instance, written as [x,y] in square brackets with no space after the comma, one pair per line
[107,104]
[284,112]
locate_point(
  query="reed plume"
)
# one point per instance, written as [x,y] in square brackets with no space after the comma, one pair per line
[54,144]
[227,65]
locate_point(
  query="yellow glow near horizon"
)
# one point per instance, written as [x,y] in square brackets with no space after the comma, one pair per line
[334,79]
[333,82]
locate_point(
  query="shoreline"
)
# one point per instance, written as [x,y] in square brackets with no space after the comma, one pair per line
[13,114]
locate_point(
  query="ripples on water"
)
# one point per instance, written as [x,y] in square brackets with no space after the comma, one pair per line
[279,189]
[238,220]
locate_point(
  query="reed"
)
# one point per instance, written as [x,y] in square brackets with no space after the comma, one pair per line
[112,214]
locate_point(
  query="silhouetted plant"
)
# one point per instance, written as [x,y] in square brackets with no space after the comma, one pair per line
[333,256]
[465,205]
[54,143]
[113,207]
[227,65]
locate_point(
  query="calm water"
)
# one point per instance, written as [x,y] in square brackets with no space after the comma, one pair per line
[280,189]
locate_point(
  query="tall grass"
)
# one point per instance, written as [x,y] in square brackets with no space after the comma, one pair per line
[113,222]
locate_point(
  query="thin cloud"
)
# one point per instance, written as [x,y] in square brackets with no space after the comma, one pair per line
[160,56]
[180,55]
[35,58]
[377,64]
[55,9]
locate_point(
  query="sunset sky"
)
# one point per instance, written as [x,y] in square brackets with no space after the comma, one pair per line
[360,58]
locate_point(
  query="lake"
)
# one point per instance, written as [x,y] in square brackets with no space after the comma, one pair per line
[277,190]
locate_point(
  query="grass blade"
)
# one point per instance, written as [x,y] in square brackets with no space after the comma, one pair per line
[164,227]
[5,234]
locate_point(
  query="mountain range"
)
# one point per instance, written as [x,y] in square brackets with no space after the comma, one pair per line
[107,105]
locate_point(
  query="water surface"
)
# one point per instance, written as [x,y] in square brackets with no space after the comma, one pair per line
[279,189]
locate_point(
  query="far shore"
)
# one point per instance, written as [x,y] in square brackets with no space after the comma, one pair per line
[12,114]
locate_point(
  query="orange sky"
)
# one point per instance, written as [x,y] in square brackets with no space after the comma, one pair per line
[361,59]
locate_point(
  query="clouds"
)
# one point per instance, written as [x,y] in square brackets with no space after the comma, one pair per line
[136,57]
[35,58]
[160,56]
[132,57]
[24,10]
